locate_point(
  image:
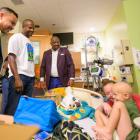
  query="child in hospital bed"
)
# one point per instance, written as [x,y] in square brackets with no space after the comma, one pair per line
[123,112]
[106,107]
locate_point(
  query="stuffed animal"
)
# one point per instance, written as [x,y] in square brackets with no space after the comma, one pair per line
[69,101]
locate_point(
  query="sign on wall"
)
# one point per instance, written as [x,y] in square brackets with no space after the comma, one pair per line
[36,45]
[136,55]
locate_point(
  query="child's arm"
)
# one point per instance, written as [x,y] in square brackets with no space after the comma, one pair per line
[107,109]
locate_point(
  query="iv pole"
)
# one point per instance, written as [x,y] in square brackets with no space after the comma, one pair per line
[87,69]
[93,42]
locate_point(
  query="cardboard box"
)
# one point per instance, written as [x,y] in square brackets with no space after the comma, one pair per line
[17,132]
[10,131]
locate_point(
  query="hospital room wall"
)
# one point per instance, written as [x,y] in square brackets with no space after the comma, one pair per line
[124,26]
[131,8]
[114,33]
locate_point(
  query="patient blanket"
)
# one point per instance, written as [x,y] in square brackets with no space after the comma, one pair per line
[68,130]
[40,112]
[79,113]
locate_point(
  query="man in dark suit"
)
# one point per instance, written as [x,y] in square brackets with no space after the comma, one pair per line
[57,67]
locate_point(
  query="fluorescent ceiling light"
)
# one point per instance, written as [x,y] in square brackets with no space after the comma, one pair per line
[92,29]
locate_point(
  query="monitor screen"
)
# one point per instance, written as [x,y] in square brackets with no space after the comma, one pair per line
[65,38]
[94,69]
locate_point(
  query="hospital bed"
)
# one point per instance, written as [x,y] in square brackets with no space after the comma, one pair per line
[94,100]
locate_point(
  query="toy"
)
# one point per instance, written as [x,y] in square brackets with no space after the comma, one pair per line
[69,101]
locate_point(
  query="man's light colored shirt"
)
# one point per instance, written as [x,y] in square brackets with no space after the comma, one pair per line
[54,71]
[18,45]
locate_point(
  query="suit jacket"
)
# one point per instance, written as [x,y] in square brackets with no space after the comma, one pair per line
[65,66]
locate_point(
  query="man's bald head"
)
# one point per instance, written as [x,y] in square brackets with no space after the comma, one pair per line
[28,27]
[8,10]
[26,21]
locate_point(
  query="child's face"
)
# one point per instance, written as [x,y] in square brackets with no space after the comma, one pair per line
[118,96]
[108,90]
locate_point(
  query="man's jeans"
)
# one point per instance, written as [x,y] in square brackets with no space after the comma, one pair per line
[5,86]
[14,96]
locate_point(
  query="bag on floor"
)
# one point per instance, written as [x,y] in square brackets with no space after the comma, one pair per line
[40,112]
